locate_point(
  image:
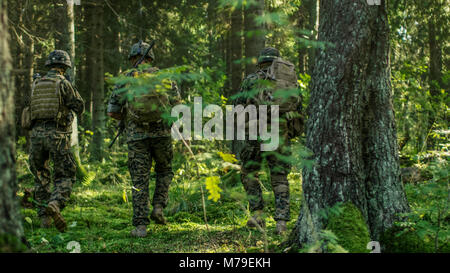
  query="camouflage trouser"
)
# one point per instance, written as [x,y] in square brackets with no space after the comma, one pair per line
[251,157]
[140,156]
[46,145]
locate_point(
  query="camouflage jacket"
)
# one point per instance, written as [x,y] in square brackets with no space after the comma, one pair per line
[71,99]
[118,103]
[248,94]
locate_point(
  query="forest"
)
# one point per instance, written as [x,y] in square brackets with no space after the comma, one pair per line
[369,172]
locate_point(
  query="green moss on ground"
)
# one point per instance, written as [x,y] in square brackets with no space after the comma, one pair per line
[350,228]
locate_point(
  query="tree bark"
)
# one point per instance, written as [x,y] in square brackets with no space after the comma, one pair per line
[228,59]
[71,39]
[254,37]
[435,74]
[236,48]
[313,7]
[301,49]
[11,232]
[351,127]
[86,69]
[97,83]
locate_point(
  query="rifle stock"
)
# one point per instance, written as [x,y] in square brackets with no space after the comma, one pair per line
[121,127]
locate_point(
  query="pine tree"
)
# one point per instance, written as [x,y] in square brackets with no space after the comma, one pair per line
[351,128]
[11,232]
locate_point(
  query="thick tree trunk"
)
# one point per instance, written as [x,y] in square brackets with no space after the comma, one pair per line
[22,48]
[351,129]
[97,83]
[11,232]
[254,34]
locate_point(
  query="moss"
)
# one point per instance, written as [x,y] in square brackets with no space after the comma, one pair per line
[10,243]
[185,217]
[395,241]
[350,228]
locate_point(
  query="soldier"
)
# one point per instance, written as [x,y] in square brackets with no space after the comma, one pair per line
[54,104]
[148,138]
[281,73]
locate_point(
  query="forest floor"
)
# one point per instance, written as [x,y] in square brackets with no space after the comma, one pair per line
[100,210]
[99,214]
[100,220]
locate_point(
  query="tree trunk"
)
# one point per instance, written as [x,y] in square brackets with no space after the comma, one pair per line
[254,34]
[313,7]
[228,62]
[351,128]
[301,49]
[97,83]
[86,69]
[71,39]
[236,49]
[23,50]
[435,75]
[11,232]
[65,38]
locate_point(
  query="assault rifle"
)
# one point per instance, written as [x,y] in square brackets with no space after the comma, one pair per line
[121,125]
[120,129]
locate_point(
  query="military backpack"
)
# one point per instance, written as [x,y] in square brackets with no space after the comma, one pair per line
[47,102]
[281,88]
[148,107]
[46,98]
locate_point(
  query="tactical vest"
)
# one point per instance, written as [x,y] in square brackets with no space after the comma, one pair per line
[282,86]
[148,107]
[46,98]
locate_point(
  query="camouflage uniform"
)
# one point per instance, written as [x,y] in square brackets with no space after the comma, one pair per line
[147,143]
[51,140]
[251,157]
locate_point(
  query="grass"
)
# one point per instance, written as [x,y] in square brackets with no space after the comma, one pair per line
[99,216]
[99,212]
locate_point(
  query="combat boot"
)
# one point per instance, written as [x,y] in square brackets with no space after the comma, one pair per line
[46,221]
[139,231]
[54,211]
[256,220]
[158,215]
[281,227]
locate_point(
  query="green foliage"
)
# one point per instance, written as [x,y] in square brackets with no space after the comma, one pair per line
[346,222]
[426,228]
[399,240]
[419,109]
[11,244]
[193,38]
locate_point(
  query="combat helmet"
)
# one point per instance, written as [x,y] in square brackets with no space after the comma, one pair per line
[268,54]
[58,57]
[139,49]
